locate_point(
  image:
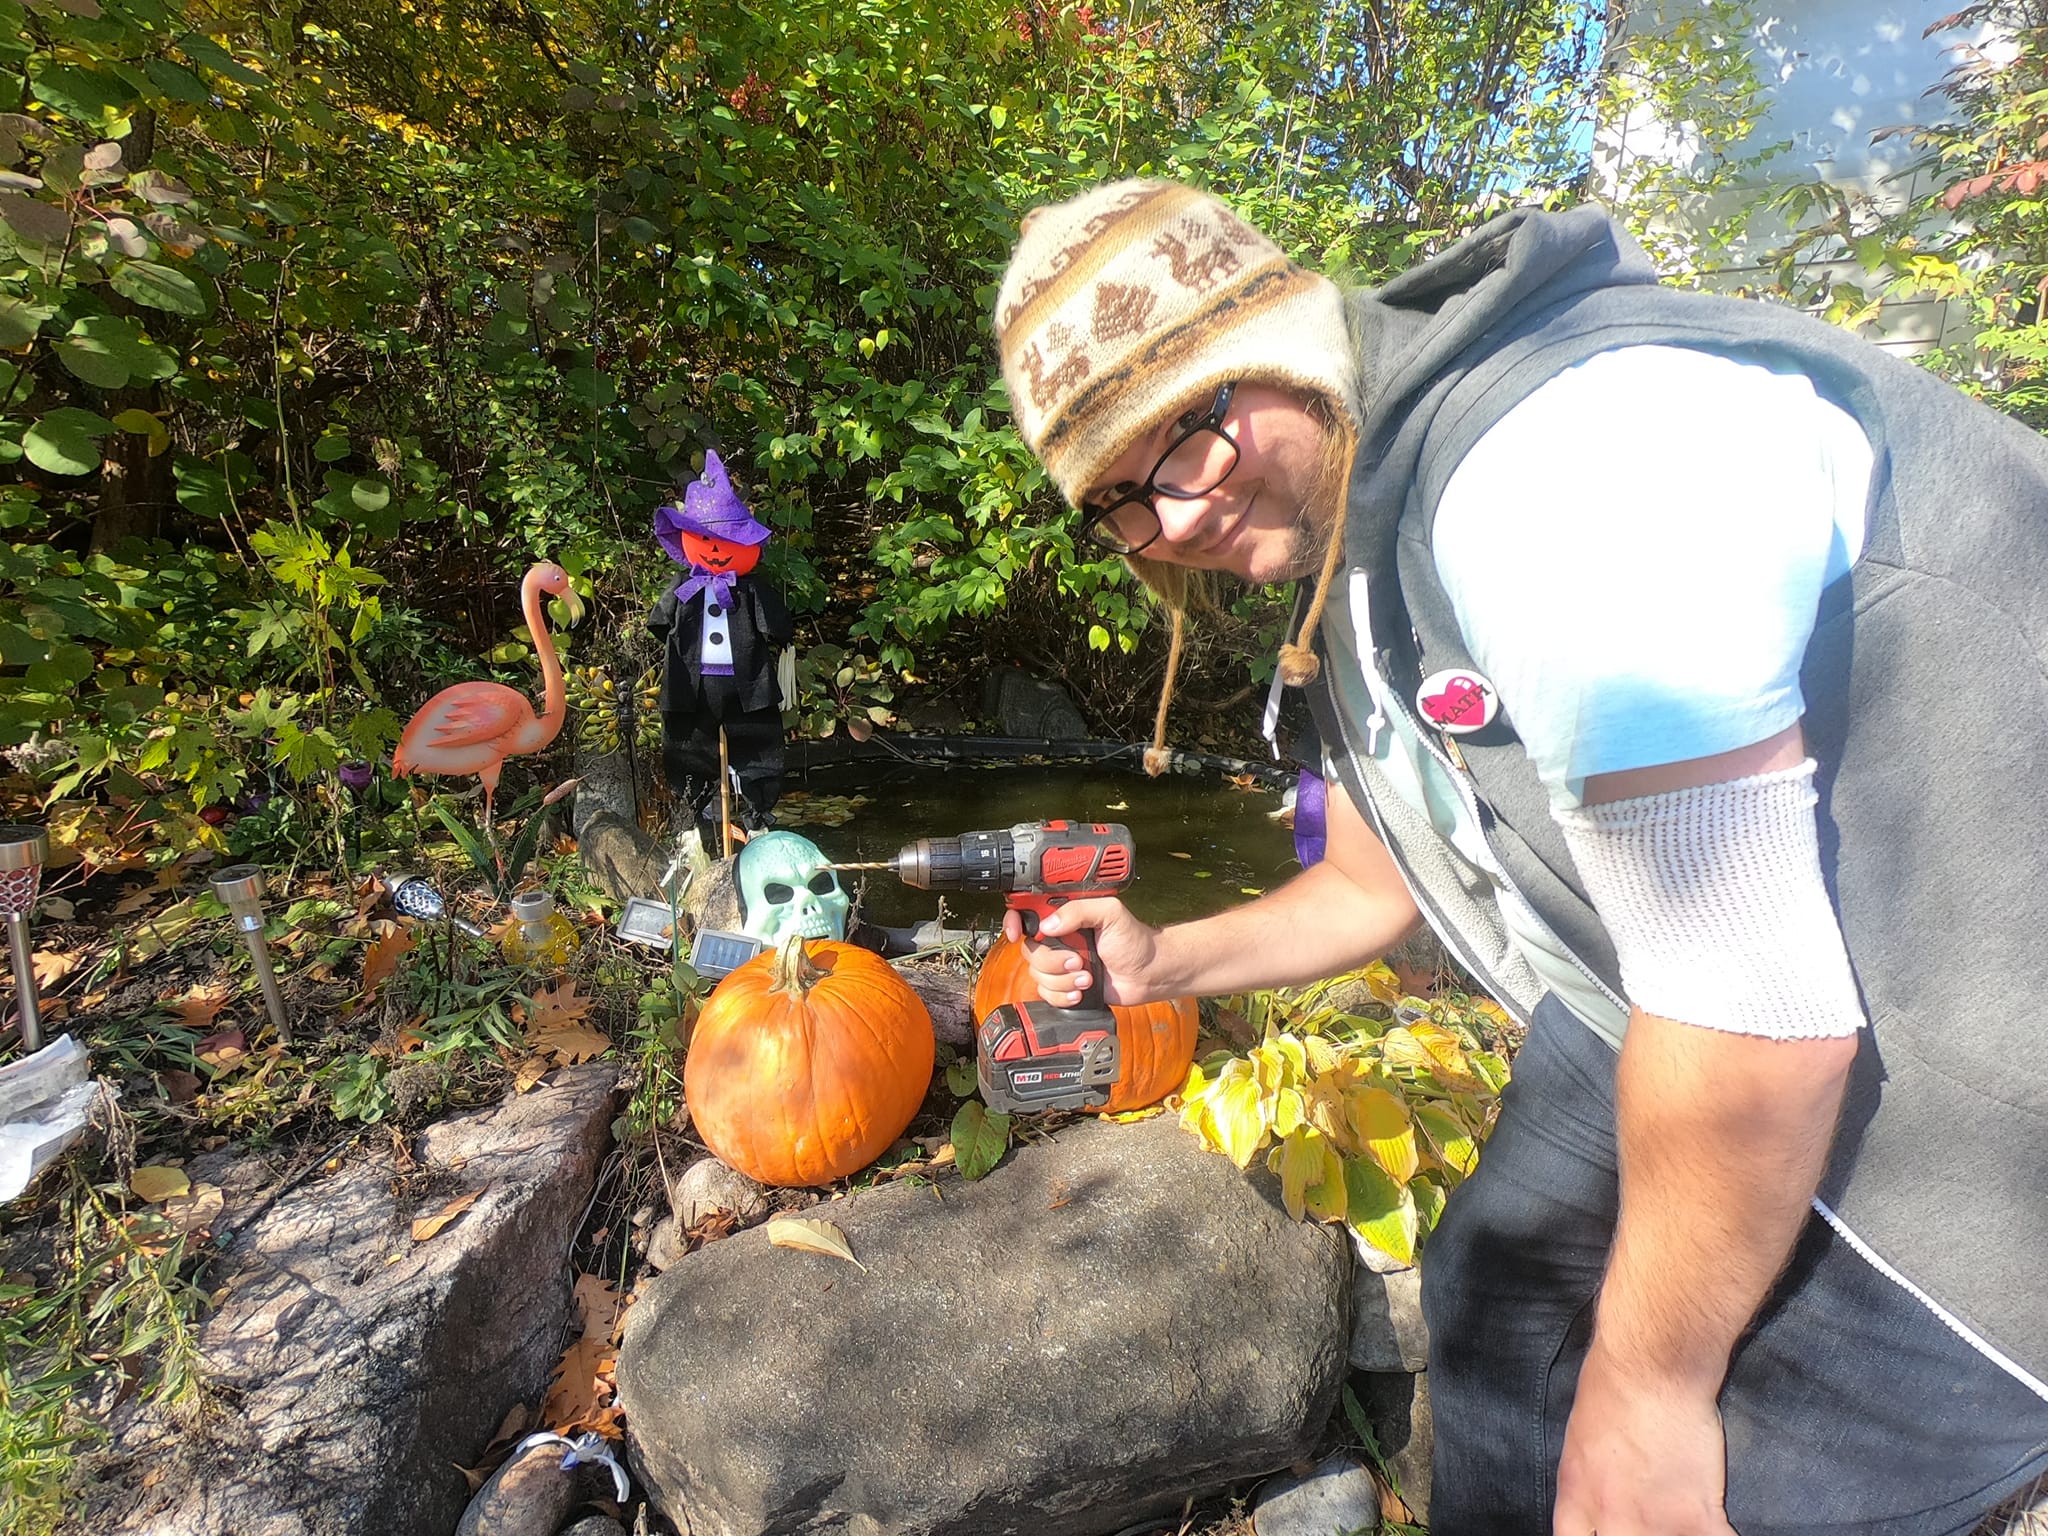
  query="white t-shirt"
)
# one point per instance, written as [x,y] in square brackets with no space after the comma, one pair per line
[1635,552]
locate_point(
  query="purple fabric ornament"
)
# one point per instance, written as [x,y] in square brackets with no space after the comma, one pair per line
[1311,818]
[710,508]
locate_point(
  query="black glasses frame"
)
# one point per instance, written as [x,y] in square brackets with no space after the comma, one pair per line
[1095,522]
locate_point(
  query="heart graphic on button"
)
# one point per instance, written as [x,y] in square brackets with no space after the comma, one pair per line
[1456,701]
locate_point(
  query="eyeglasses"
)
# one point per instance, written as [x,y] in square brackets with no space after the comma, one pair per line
[1200,458]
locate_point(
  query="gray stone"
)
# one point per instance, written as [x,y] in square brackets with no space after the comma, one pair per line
[1112,1321]
[1021,704]
[713,899]
[596,1525]
[531,1495]
[1397,1406]
[1337,1498]
[664,1244]
[708,1185]
[1387,1330]
[352,1368]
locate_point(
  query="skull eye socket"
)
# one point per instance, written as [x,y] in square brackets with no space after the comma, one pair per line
[777,892]
[824,883]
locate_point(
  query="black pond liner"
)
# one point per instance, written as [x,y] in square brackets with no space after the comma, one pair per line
[802,756]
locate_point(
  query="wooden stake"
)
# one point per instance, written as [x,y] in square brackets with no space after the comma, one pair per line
[724,800]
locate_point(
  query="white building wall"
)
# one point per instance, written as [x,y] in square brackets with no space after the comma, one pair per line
[1837,72]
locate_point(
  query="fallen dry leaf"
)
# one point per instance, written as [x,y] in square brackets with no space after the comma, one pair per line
[530,1072]
[580,1396]
[156,1182]
[197,1209]
[180,1086]
[57,908]
[53,965]
[557,1005]
[224,1051]
[600,1305]
[135,900]
[570,1043]
[808,1236]
[426,1226]
[382,958]
[197,1010]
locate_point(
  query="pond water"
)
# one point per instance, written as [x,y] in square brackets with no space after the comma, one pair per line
[1203,843]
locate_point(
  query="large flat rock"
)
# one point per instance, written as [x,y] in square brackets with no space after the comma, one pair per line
[1113,1320]
[351,1368]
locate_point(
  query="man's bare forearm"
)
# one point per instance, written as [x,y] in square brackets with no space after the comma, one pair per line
[1723,1139]
[1319,924]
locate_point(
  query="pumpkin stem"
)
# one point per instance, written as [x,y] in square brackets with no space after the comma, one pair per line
[794,972]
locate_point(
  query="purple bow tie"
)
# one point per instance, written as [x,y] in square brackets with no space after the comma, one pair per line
[719,583]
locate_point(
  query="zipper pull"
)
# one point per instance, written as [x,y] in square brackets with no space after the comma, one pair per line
[1269,726]
[1375,723]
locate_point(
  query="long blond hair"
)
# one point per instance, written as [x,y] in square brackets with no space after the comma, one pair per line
[1181,590]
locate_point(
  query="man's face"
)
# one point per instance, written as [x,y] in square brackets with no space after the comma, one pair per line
[1259,523]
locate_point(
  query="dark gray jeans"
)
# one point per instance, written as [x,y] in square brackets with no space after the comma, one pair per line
[1849,1407]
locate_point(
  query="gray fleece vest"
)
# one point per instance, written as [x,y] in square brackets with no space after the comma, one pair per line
[1926,684]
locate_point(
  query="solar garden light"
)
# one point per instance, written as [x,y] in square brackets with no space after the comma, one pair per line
[415,896]
[240,889]
[22,852]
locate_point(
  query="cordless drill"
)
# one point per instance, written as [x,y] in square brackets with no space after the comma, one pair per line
[1031,1055]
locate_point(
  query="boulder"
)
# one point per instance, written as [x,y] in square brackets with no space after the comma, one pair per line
[1112,1321]
[1018,703]
[352,1367]
[1387,1330]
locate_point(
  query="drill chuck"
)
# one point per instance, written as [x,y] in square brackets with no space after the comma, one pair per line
[973,861]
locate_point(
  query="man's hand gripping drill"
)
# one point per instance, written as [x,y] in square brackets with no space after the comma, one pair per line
[1032,1055]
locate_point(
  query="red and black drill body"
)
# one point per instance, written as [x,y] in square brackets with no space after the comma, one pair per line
[1031,1055]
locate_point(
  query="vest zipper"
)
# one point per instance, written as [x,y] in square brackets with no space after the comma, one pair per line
[1482,816]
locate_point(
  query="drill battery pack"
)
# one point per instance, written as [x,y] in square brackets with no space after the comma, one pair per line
[1033,1057]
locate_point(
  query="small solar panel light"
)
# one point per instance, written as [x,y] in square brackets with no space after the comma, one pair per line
[23,851]
[240,889]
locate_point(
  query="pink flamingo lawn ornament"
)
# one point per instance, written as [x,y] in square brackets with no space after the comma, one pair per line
[474,727]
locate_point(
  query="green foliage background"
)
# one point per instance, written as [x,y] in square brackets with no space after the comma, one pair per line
[319,322]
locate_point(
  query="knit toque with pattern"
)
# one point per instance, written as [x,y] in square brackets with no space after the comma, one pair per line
[1128,303]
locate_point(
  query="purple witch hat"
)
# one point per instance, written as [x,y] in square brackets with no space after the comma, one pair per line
[710,508]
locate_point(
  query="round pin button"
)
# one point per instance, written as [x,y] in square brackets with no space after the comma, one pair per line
[1457,701]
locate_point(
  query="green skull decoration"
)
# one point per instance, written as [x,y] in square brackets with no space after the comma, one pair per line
[787,889]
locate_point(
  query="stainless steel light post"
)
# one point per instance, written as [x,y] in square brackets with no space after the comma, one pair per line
[23,851]
[240,888]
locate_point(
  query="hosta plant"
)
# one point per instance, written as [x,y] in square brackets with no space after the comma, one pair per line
[1368,1121]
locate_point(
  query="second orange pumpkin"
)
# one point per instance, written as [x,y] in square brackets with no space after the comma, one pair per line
[1157,1039]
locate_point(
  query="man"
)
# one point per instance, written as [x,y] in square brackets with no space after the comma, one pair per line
[1665,649]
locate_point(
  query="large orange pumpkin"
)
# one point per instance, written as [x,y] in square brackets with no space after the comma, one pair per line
[1157,1039]
[807,1062]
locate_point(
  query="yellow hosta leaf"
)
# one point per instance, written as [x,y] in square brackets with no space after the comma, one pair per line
[1448,1138]
[1425,1047]
[1379,1210]
[1382,983]
[1322,1055]
[1240,1119]
[1288,1112]
[1379,1120]
[1429,1202]
[812,1237]
[1447,1055]
[1311,1176]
